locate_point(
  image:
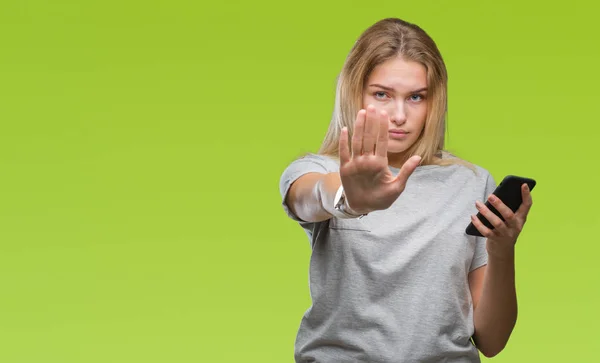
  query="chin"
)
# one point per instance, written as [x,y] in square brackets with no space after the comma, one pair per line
[395,147]
[395,151]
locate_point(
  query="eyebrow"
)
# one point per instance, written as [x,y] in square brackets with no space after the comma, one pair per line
[391,89]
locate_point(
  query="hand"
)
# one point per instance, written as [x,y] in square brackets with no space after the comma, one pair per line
[368,182]
[502,239]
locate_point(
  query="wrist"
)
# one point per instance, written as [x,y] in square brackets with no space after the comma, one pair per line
[342,208]
[353,211]
[500,253]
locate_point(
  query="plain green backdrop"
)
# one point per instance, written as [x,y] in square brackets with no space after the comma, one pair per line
[142,142]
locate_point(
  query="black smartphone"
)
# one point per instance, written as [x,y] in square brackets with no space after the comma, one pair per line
[509,192]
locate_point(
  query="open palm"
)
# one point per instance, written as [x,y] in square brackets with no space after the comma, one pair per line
[368,182]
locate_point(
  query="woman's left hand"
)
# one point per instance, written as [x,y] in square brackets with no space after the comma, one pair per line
[501,240]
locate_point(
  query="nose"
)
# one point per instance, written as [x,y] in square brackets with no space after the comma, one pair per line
[398,113]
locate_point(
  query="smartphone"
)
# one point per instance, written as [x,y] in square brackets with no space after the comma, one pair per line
[509,192]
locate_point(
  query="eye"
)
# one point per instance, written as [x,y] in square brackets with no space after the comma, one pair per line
[379,95]
[417,98]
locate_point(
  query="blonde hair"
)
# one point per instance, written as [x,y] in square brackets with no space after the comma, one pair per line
[386,39]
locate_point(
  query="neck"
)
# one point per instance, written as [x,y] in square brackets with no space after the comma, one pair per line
[396,160]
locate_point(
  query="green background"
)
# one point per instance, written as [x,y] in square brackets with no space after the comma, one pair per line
[141,146]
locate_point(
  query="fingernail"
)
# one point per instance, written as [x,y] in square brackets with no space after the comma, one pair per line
[492,198]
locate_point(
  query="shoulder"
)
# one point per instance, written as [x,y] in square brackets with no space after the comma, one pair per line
[311,160]
[307,163]
[465,171]
[464,165]
[479,177]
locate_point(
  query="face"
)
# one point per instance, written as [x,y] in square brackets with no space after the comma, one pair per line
[400,88]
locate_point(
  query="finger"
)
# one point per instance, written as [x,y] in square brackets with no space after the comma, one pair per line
[489,215]
[383,136]
[406,170]
[344,150]
[370,133]
[486,232]
[505,212]
[357,136]
[527,202]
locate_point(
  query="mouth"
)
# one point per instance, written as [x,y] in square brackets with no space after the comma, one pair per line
[397,134]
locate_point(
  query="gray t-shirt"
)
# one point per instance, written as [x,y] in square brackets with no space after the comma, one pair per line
[393,286]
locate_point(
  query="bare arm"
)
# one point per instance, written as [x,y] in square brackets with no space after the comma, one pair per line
[495,305]
[493,287]
[311,196]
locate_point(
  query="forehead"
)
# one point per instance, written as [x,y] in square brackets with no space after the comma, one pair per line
[399,74]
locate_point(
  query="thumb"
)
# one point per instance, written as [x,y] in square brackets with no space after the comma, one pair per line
[406,170]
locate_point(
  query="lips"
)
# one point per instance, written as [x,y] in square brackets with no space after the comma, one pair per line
[398,134]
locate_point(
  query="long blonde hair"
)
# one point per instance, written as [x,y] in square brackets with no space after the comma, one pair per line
[386,39]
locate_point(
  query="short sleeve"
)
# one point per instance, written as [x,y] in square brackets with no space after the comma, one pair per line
[310,163]
[480,257]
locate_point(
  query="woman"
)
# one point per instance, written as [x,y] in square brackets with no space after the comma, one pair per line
[393,275]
